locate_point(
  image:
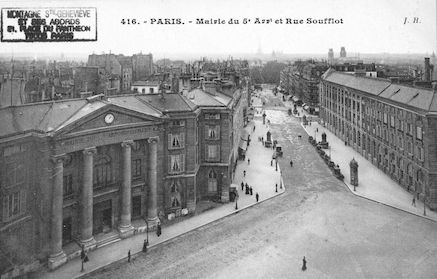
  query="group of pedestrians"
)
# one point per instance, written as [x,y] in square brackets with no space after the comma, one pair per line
[248,190]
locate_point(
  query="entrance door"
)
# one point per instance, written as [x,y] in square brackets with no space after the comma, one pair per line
[102,217]
[136,206]
[66,231]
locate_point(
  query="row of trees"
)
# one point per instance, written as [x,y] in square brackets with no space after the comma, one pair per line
[269,73]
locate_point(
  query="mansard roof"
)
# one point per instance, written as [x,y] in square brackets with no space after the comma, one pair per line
[420,98]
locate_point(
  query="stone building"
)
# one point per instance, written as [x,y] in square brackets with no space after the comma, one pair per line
[393,126]
[90,171]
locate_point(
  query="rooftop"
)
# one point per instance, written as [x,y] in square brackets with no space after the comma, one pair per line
[421,98]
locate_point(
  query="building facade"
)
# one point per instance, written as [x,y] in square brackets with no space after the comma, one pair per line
[87,171]
[393,126]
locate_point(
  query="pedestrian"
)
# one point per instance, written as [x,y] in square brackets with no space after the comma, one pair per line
[248,161]
[291,163]
[128,256]
[158,230]
[256,196]
[254,128]
[317,130]
[262,139]
[244,173]
[251,190]
[247,189]
[304,264]
[414,201]
[271,162]
[242,186]
[276,188]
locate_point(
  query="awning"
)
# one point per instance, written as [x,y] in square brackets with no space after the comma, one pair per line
[242,144]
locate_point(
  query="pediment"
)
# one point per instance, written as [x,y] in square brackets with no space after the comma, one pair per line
[106,119]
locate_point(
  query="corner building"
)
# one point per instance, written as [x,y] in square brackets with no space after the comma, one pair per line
[91,171]
[393,126]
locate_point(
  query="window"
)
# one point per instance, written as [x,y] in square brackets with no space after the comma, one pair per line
[392,121]
[212,152]
[420,154]
[419,133]
[212,116]
[212,181]
[68,185]
[175,190]
[176,141]
[401,143]
[178,123]
[136,168]
[212,132]
[176,163]
[14,174]
[410,148]
[102,172]
[175,202]
[385,118]
[14,205]
[409,129]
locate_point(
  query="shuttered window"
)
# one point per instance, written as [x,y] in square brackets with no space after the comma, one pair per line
[14,205]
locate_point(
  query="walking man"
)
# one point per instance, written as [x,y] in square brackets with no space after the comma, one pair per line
[414,201]
[251,190]
[304,264]
[242,186]
[256,196]
[244,173]
[271,162]
[276,190]
[248,161]
[158,230]
[128,256]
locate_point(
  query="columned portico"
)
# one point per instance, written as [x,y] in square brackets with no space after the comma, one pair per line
[86,200]
[57,256]
[152,211]
[125,228]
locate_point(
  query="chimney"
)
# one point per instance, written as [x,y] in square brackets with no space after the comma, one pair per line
[427,70]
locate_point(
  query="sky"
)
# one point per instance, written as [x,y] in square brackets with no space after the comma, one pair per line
[370,26]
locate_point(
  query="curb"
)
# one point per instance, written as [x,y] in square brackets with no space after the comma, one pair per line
[380,202]
[386,204]
[134,255]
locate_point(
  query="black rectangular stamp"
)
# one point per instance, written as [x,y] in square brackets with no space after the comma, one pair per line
[48,24]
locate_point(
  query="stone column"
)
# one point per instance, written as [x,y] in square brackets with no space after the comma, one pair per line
[152,211]
[125,228]
[57,256]
[86,218]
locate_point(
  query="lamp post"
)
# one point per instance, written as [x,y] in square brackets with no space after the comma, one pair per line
[424,200]
[146,241]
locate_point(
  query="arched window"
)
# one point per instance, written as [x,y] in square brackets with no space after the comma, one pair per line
[102,171]
[212,181]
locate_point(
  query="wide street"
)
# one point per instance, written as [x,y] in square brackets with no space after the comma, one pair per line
[341,235]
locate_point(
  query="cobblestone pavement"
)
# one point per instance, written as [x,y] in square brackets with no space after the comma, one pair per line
[341,235]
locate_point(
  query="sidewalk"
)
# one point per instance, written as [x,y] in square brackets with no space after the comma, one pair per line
[373,183]
[259,174]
